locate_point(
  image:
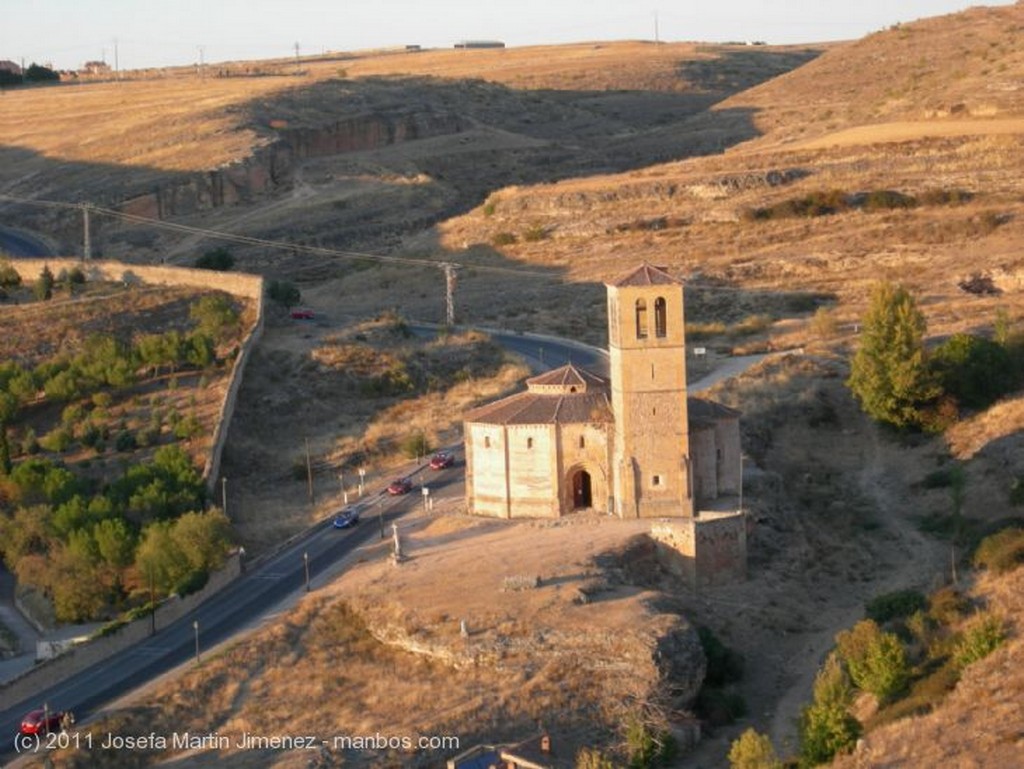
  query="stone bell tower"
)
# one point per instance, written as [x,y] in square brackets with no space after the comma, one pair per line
[651,465]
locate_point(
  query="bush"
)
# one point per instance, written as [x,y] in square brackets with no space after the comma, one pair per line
[879,200]
[982,637]
[9,277]
[535,233]
[895,605]
[826,728]
[58,440]
[124,441]
[648,747]
[43,288]
[415,446]
[876,661]
[753,751]
[974,370]
[824,323]
[720,707]
[219,259]
[503,239]
[724,666]
[1001,552]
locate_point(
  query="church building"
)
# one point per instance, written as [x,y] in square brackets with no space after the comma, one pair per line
[635,445]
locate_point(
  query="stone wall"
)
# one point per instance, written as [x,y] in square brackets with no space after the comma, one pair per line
[46,674]
[706,551]
[234,283]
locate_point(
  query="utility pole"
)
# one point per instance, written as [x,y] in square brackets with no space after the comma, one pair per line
[296,59]
[202,69]
[86,240]
[309,472]
[656,39]
[117,66]
[449,293]
[224,496]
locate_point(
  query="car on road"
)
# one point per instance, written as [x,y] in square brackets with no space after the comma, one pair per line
[441,460]
[302,313]
[41,721]
[400,486]
[346,518]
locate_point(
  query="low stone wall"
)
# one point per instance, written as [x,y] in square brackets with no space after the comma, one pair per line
[46,674]
[705,551]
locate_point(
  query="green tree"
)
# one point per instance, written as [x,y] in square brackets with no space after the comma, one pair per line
[753,751]
[43,288]
[219,259]
[37,73]
[159,558]
[203,538]
[876,661]
[215,316]
[826,726]
[74,582]
[592,758]
[974,370]
[889,374]
[9,277]
[5,451]
[283,292]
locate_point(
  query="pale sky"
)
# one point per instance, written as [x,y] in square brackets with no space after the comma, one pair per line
[66,33]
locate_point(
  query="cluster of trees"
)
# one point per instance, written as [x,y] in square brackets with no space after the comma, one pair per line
[34,73]
[85,545]
[901,383]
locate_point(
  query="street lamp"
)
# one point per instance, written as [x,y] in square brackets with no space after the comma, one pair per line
[426,500]
[224,495]
[362,480]
[305,561]
[195,626]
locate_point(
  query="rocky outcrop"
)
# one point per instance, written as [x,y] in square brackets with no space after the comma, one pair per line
[270,169]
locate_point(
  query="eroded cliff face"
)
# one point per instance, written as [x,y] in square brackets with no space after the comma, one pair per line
[271,168]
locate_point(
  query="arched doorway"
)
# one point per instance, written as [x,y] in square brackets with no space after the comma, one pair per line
[581,493]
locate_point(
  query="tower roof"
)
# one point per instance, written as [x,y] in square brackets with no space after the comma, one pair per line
[566,378]
[645,275]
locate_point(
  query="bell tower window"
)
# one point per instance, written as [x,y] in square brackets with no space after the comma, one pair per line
[641,318]
[660,318]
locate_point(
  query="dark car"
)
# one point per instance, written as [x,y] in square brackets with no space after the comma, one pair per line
[43,722]
[400,486]
[441,460]
[346,518]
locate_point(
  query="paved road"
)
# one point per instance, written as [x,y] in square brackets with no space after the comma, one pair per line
[248,599]
[19,243]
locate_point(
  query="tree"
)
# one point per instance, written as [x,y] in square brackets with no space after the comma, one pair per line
[826,726]
[876,661]
[37,73]
[753,751]
[219,259]
[215,316]
[9,277]
[889,374]
[43,288]
[974,370]
[283,292]
[5,451]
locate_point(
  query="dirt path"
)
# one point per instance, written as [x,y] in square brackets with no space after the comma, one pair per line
[913,130]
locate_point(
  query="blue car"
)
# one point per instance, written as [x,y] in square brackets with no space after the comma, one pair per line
[346,518]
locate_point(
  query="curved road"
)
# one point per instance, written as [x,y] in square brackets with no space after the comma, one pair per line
[20,243]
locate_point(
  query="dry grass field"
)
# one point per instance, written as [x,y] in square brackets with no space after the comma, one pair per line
[567,164]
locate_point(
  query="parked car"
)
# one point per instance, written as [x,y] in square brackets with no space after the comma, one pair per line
[346,518]
[41,721]
[302,313]
[400,486]
[441,460]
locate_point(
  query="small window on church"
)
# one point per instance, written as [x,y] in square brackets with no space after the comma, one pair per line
[654,412]
[641,319]
[572,389]
[487,441]
[583,442]
[652,372]
[660,320]
[656,480]
[529,443]
[718,454]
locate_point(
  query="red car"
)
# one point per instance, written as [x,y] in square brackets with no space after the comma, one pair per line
[43,722]
[302,313]
[441,460]
[400,486]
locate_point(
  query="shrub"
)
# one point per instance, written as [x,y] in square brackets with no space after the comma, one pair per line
[895,605]
[876,661]
[720,707]
[535,233]
[124,441]
[1001,552]
[489,208]
[283,292]
[646,746]
[824,323]
[982,637]
[415,446]
[503,239]
[974,370]
[43,288]
[9,277]
[219,259]
[826,728]
[878,200]
[724,665]
[58,440]
[753,751]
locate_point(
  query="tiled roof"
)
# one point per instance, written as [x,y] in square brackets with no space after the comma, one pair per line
[568,376]
[645,275]
[531,408]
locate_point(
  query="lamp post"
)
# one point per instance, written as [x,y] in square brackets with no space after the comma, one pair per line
[305,562]
[224,495]
[362,480]
[195,626]
[426,500]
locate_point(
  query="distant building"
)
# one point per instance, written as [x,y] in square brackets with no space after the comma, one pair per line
[10,66]
[95,68]
[479,44]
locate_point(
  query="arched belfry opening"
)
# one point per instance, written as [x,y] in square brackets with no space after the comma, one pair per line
[660,318]
[582,496]
[641,319]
